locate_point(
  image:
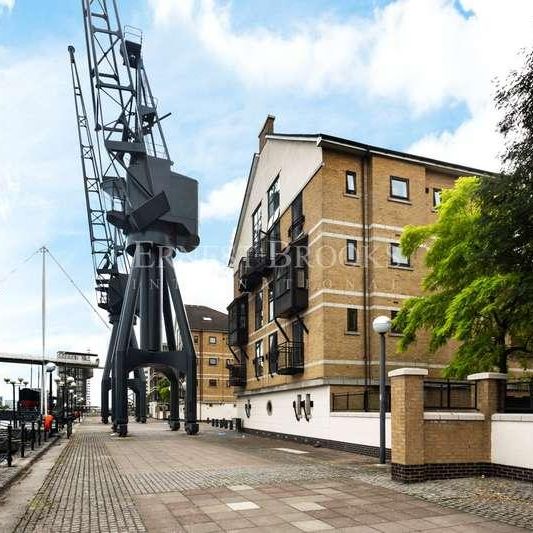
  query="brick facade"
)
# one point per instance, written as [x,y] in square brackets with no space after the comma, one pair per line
[371,284]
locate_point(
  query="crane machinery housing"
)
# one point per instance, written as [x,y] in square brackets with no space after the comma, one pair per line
[152,214]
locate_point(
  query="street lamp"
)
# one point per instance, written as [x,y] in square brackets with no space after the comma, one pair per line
[382,325]
[50,367]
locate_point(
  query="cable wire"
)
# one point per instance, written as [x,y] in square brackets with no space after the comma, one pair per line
[9,274]
[76,287]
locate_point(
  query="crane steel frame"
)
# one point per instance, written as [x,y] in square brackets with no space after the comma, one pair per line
[157,211]
[107,247]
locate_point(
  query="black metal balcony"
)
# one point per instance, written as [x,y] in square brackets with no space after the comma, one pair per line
[290,280]
[237,374]
[257,263]
[238,321]
[290,358]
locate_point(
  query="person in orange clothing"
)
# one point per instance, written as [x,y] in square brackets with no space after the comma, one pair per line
[48,420]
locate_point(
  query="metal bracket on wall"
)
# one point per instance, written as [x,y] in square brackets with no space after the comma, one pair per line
[300,320]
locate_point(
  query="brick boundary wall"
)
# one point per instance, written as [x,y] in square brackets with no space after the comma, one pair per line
[452,445]
[363,449]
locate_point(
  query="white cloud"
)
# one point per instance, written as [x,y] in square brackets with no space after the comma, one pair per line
[223,202]
[205,282]
[8,4]
[423,54]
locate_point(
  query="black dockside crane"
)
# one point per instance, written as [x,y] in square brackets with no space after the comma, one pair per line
[140,213]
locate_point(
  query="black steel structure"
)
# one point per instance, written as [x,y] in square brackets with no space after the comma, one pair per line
[154,208]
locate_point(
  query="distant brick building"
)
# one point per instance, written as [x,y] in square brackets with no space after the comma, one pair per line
[215,397]
[316,258]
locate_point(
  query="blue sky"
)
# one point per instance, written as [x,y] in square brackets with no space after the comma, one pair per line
[406,74]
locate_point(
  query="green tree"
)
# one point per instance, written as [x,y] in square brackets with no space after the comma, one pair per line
[163,390]
[487,311]
[507,202]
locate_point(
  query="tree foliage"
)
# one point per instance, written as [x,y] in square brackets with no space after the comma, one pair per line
[488,312]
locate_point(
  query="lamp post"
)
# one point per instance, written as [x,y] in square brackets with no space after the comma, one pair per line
[382,325]
[50,367]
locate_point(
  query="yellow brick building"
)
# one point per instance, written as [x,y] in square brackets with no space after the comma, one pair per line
[315,260]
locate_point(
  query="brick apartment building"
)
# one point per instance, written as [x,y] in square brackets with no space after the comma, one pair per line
[215,396]
[316,258]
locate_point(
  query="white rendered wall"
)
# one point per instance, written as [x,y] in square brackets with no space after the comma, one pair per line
[295,162]
[351,427]
[216,410]
[512,440]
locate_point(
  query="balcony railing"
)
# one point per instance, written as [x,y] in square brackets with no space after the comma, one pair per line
[238,321]
[364,400]
[290,280]
[446,395]
[290,358]
[237,374]
[296,228]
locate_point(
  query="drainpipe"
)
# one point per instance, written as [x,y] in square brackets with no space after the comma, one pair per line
[365,269]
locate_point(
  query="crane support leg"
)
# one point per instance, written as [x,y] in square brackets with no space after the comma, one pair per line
[125,324]
[106,377]
[191,422]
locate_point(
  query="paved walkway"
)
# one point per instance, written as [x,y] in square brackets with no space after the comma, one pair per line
[159,481]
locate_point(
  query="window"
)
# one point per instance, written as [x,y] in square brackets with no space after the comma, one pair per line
[396,256]
[256,225]
[274,241]
[259,361]
[351,320]
[350,183]
[213,361]
[393,315]
[271,301]
[436,197]
[399,188]
[212,382]
[273,202]
[273,352]
[351,251]
[196,339]
[212,340]
[297,225]
[258,308]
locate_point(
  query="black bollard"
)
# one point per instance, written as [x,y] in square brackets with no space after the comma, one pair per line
[22,439]
[9,445]
[33,435]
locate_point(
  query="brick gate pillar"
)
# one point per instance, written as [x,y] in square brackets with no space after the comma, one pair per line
[407,421]
[490,399]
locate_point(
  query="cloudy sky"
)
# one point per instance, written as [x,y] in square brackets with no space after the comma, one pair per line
[414,75]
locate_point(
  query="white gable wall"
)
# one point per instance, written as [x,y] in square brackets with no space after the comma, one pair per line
[295,162]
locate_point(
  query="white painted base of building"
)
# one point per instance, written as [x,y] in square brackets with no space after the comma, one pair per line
[274,413]
[204,411]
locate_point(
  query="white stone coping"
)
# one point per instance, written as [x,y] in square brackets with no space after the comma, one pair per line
[408,372]
[512,417]
[486,375]
[357,414]
[453,415]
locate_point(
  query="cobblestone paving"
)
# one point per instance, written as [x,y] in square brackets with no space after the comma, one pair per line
[500,499]
[160,481]
[84,492]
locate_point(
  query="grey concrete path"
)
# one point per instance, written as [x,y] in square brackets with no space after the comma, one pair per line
[159,481]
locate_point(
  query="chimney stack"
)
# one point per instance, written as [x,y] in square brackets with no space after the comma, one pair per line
[267,129]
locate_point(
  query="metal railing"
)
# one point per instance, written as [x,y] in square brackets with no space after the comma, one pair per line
[237,374]
[449,395]
[519,397]
[15,441]
[290,358]
[364,400]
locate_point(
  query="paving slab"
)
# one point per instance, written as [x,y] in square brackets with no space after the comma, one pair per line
[156,480]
